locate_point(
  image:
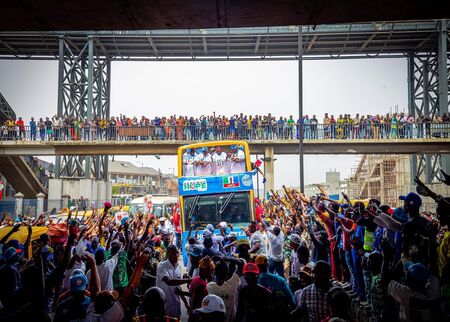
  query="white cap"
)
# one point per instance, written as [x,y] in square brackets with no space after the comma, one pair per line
[222,224]
[162,218]
[232,234]
[212,303]
[207,233]
[210,227]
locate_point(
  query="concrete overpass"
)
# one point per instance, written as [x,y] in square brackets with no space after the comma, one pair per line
[320,146]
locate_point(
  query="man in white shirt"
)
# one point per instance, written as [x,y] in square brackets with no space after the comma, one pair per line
[226,289]
[219,158]
[105,269]
[276,244]
[188,163]
[166,229]
[258,242]
[295,263]
[237,160]
[203,163]
[168,279]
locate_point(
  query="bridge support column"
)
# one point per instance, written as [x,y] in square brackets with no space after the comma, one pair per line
[428,94]
[40,203]
[84,87]
[269,171]
[18,197]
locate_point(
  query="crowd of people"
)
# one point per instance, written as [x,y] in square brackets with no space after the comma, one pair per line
[249,127]
[304,258]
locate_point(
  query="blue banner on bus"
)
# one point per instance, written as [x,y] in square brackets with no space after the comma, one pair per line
[236,182]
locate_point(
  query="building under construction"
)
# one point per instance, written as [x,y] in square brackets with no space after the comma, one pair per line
[383,177]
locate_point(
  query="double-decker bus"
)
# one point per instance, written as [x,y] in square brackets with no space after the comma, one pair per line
[215,182]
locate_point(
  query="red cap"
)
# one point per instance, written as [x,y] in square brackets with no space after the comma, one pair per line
[107,205]
[390,211]
[251,268]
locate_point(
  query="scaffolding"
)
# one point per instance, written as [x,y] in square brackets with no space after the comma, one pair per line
[384,177]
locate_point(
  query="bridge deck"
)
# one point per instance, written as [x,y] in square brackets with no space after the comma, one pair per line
[320,146]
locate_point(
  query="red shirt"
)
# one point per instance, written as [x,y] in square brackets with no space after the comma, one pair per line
[20,124]
[176,219]
[198,291]
[347,223]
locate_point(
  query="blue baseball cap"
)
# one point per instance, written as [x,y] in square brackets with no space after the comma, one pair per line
[234,147]
[188,150]
[417,272]
[195,251]
[9,253]
[78,283]
[412,199]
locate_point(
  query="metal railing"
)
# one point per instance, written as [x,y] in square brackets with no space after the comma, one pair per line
[207,132]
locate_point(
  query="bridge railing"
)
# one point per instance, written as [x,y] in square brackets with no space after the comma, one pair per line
[217,132]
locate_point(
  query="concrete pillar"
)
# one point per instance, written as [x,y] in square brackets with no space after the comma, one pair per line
[18,204]
[65,201]
[40,203]
[269,169]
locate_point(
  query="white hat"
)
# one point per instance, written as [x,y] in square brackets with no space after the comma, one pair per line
[222,224]
[232,234]
[210,227]
[162,218]
[212,303]
[207,233]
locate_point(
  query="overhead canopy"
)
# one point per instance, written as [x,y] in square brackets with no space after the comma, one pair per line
[151,14]
[324,41]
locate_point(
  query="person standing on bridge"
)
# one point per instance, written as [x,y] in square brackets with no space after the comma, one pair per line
[20,124]
[41,127]
[32,129]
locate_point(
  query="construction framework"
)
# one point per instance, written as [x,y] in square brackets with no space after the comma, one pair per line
[84,86]
[383,177]
[428,95]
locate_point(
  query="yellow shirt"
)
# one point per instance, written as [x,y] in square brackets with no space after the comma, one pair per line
[443,252]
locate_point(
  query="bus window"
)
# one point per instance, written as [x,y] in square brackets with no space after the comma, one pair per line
[212,209]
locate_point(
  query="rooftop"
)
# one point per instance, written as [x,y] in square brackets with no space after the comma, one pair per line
[129,168]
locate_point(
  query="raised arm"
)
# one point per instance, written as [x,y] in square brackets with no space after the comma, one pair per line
[94,281]
[134,280]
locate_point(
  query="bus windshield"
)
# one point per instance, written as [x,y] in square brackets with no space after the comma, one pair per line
[212,209]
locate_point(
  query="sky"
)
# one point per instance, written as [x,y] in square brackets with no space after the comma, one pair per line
[365,86]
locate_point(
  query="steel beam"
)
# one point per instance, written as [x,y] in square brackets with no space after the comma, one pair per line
[428,94]
[6,111]
[300,111]
[84,85]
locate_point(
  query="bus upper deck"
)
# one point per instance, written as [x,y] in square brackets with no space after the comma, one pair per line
[215,183]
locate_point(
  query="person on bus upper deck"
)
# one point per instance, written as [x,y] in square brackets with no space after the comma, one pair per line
[203,161]
[188,163]
[219,159]
[237,160]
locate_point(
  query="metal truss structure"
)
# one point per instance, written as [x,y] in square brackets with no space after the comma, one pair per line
[428,94]
[365,40]
[85,56]
[6,111]
[84,84]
